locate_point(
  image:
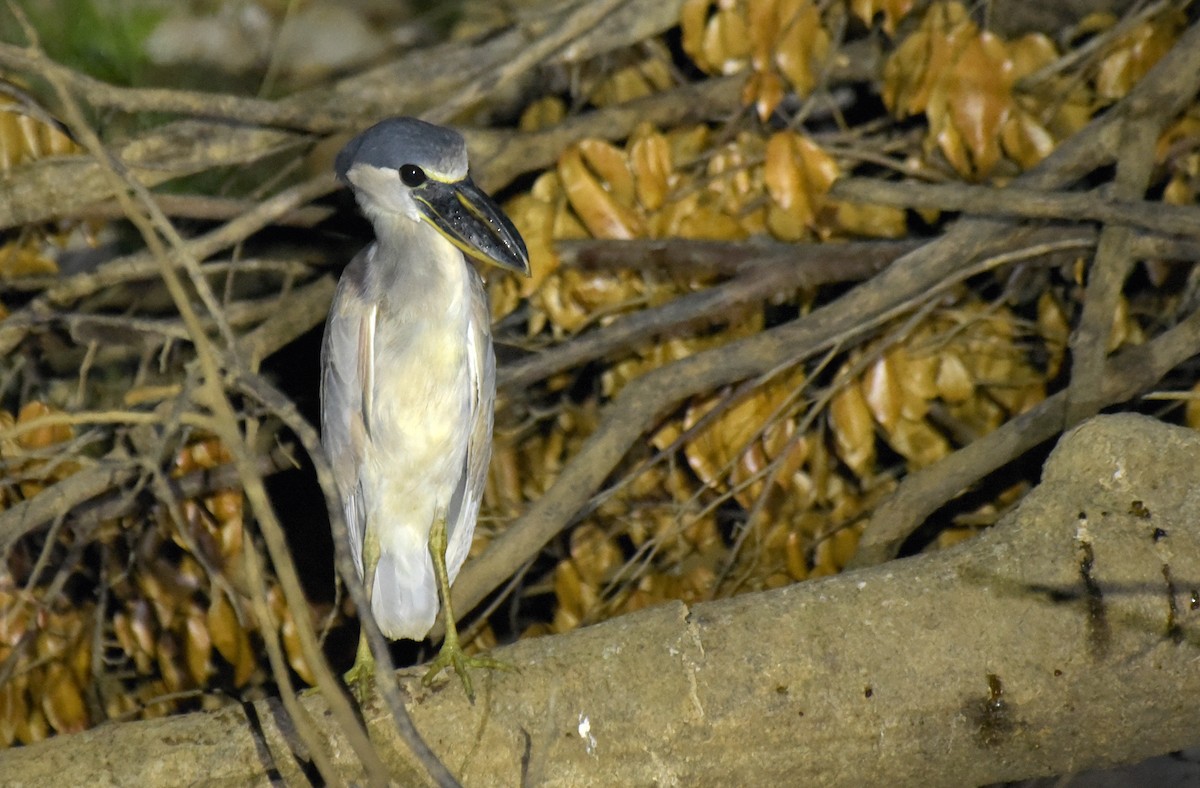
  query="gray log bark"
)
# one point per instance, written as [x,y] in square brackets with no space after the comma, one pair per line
[1064,638]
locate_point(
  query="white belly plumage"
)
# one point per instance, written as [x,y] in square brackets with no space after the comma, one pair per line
[414,463]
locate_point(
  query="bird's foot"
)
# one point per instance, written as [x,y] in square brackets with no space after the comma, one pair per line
[453,656]
[361,675]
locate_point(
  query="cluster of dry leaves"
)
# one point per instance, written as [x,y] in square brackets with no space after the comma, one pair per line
[26,136]
[803,457]
[744,489]
[175,610]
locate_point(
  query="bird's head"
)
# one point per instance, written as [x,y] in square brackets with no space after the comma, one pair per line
[407,169]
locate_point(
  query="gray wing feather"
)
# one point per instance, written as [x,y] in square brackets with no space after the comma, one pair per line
[346,371]
[464,505]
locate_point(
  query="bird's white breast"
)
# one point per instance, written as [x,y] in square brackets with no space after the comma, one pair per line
[420,413]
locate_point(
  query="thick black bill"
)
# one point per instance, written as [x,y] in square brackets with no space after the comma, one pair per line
[473,222]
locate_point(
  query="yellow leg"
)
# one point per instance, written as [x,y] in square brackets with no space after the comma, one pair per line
[362,674]
[451,654]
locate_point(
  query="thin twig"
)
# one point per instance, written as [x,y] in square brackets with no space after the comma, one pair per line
[784,273]
[182,102]
[1143,125]
[552,38]
[207,208]
[1028,203]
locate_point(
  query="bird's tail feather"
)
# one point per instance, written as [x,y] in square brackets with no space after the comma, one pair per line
[405,600]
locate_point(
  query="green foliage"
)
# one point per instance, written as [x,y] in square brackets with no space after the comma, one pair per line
[104,38]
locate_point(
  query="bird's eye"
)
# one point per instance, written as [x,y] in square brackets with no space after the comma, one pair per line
[412,175]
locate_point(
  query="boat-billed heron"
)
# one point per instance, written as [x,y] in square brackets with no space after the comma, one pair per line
[408,376]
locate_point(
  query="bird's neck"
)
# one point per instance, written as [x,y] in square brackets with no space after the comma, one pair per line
[413,260]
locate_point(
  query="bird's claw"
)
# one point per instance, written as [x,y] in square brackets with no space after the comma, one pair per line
[452,656]
[359,679]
